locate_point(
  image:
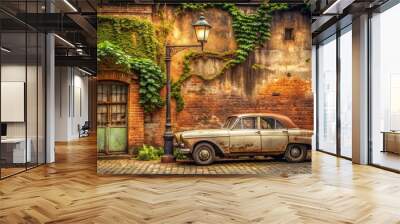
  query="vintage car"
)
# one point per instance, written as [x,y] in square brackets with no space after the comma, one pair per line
[247,135]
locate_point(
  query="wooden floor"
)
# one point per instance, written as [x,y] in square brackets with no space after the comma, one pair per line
[71,192]
[386,159]
[5,172]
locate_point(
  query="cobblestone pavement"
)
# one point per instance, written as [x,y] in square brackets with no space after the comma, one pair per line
[231,167]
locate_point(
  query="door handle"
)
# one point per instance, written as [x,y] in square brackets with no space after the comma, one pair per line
[258,132]
[286,132]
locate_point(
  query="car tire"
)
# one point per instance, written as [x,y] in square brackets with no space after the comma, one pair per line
[203,154]
[296,153]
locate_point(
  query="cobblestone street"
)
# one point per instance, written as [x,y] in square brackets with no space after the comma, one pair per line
[231,167]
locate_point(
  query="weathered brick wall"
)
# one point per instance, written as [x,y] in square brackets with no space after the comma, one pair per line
[275,78]
[135,110]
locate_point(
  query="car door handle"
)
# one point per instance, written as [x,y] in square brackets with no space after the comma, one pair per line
[258,132]
[285,132]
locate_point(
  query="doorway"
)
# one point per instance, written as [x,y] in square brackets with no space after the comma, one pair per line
[112,131]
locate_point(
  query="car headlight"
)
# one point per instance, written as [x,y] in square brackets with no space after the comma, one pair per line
[179,145]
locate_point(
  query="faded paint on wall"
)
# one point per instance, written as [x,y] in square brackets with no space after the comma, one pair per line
[275,78]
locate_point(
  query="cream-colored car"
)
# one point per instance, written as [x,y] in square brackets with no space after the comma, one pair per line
[247,135]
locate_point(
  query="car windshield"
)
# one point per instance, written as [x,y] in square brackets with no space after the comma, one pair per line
[229,122]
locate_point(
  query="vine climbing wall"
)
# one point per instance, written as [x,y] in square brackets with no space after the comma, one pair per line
[274,77]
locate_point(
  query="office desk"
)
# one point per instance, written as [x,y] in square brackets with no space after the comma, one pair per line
[13,150]
[391,141]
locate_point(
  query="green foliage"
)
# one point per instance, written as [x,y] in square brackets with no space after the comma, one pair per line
[136,36]
[179,155]
[251,31]
[151,78]
[192,7]
[147,153]
[163,29]
[132,45]
[177,86]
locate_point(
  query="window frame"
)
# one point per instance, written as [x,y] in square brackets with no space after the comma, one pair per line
[240,120]
[289,34]
[275,122]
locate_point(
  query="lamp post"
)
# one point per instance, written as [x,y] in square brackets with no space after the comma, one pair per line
[202,29]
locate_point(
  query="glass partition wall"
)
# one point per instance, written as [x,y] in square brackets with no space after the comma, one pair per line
[385,89]
[326,137]
[334,105]
[22,77]
[334,94]
[346,95]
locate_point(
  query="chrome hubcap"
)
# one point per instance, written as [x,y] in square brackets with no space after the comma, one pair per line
[295,152]
[204,154]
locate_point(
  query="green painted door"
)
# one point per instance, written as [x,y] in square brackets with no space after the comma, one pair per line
[112,133]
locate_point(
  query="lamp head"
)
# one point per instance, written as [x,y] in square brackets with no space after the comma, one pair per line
[202,29]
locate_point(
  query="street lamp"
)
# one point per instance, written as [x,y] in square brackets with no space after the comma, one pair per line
[202,30]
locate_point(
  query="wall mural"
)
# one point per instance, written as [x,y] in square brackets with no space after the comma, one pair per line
[257,59]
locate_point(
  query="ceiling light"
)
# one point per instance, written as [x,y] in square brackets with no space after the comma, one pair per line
[79,51]
[334,5]
[65,41]
[5,50]
[70,5]
[337,7]
[84,71]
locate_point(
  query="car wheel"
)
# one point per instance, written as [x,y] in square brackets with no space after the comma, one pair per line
[296,153]
[204,154]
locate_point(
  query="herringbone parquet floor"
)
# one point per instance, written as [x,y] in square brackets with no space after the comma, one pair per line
[71,192]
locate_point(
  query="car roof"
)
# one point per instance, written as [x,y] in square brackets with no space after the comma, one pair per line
[285,120]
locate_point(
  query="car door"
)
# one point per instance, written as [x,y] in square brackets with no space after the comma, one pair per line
[274,136]
[245,136]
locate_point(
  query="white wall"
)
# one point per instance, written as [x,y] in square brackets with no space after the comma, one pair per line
[50,96]
[33,127]
[14,73]
[71,102]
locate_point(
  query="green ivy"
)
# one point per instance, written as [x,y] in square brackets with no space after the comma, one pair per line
[137,37]
[151,78]
[176,87]
[250,30]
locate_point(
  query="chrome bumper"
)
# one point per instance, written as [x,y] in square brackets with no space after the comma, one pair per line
[181,147]
[184,150]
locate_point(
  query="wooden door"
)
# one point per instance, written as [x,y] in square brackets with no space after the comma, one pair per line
[112,119]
